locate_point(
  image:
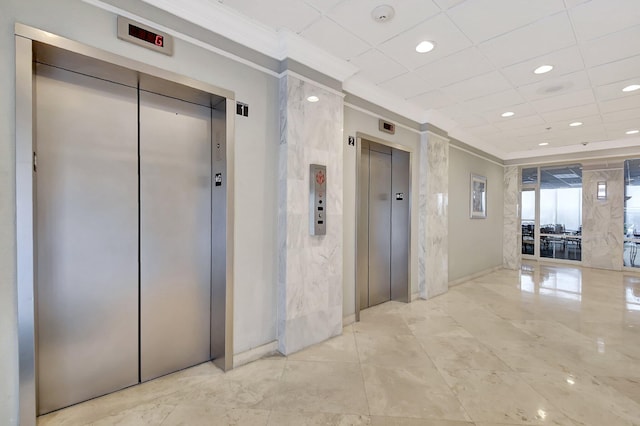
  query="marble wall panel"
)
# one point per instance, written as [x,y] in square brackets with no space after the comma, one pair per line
[310,272]
[433,241]
[603,220]
[512,235]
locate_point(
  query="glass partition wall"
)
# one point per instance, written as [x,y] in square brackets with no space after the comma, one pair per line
[552,226]
[631,213]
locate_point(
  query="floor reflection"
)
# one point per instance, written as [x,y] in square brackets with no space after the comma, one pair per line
[563,282]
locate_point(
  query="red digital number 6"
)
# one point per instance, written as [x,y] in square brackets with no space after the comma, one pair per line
[159,41]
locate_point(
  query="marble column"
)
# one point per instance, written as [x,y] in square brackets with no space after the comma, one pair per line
[433,241]
[603,220]
[310,267]
[512,233]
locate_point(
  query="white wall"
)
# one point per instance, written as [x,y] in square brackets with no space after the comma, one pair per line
[475,245]
[256,165]
[358,121]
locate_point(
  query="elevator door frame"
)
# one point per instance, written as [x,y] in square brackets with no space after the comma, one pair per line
[26,39]
[359,137]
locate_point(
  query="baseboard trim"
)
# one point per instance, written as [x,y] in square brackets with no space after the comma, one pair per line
[255,354]
[474,276]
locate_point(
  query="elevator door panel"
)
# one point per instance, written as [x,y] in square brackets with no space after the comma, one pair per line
[362,272]
[175,234]
[379,225]
[87,237]
[400,226]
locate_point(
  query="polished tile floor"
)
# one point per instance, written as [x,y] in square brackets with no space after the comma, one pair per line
[545,345]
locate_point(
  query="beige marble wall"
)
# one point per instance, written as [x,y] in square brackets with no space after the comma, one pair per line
[433,240]
[512,234]
[310,267]
[603,220]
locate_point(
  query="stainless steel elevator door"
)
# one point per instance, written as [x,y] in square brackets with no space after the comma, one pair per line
[87,237]
[175,234]
[400,166]
[379,227]
[362,266]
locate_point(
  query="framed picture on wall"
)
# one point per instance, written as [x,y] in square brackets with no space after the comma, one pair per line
[478,201]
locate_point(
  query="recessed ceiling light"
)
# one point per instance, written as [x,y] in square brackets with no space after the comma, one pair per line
[633,132]
[631,88]
[576,124]
[543,69]
[313,98]
[543,143]
[425,46]
[508,114]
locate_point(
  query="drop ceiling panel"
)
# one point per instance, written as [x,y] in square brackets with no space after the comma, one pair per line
[407,85]
[476,87]
[556,86]
[335,39]
[612,47]
[586,121]
[485,19]
[620,104]
[377,67]
[573,3]
[469,120]
[439,29]
[571,114]
[624,69]
[299,14]
[540,38]
[587,17]
[504,99]
[433,100]
[622,126]
[564,61]
[485,130]
[520,110]
[628,114]
[569,100]
[323,5]
[614,90]
[457,67]
[356,16]
[518,123]
[447,4]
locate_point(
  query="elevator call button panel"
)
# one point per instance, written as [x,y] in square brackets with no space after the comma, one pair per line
[317,199]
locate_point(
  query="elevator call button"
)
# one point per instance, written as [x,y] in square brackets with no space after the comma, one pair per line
[317,195]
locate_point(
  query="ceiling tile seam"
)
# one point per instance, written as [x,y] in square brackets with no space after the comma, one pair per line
[523,26]
[311,24]
[389,58]
[584,63]
[353,34]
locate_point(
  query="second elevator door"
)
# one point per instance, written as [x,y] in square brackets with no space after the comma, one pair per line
[383,225]
[175,234]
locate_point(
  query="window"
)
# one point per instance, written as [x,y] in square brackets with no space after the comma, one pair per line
[561,212]
[631,212]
